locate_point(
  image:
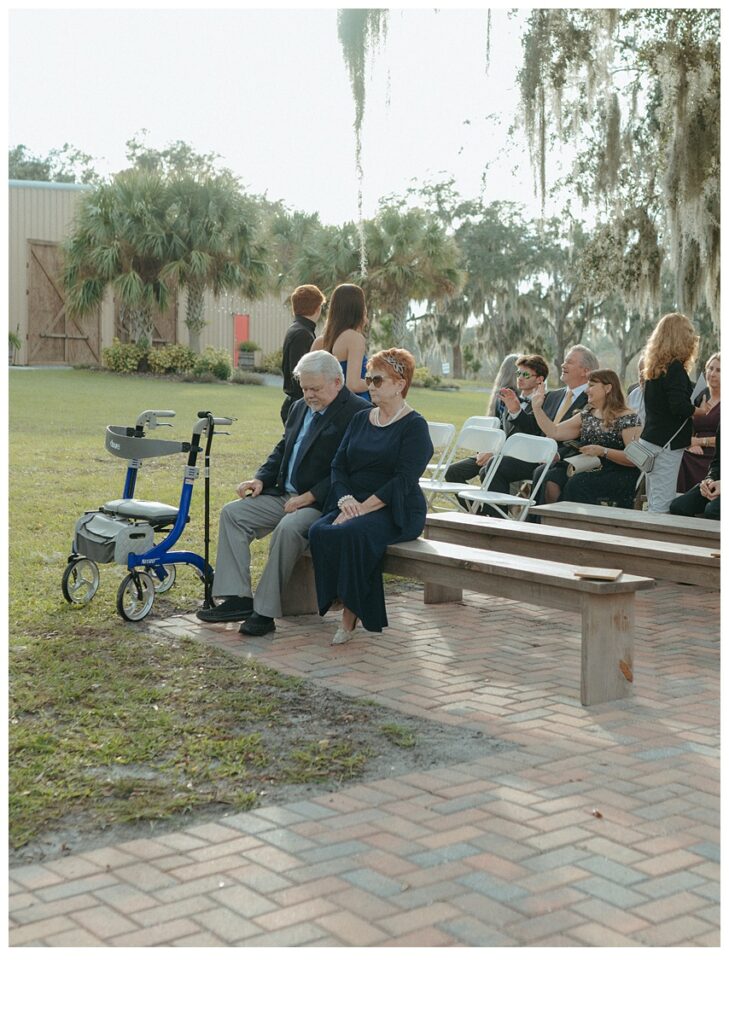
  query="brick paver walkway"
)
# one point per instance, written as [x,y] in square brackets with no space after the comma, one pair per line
[588,827]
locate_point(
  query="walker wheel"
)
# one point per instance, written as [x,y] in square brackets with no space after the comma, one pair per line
[161,586]
[80,581]
[135,596]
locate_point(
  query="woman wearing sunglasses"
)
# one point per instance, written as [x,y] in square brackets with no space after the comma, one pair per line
[375,497]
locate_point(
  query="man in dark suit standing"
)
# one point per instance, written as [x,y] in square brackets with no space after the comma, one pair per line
[284,498]
[306,305]
[579,362]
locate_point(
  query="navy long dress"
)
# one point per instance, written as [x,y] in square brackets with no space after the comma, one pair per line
[388,462]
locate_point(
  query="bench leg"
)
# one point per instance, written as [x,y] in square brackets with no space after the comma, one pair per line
[299,596]
[607,647]
[434,593]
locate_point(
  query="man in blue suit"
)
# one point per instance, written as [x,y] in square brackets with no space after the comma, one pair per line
[284,498]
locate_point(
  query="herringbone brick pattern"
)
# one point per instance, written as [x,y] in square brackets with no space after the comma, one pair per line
[591,827]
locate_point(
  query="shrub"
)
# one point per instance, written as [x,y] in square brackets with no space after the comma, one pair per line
[171,359]
[248,346]
[245,377]
[124,357]
[273,363]
[200,378]
[423,378]
[213,361]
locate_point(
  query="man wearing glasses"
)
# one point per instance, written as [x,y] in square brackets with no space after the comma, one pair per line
[531,371]
[560,404]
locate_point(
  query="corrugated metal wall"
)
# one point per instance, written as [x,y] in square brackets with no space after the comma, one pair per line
[43,211]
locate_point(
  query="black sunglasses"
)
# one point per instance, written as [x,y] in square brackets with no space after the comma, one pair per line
[376,380]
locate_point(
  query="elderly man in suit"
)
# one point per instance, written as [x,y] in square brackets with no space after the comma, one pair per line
[560,404]
[284,498]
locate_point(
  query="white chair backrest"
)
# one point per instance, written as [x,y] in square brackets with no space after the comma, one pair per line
[529,448]
[483,421]
[480,439]
[441,434]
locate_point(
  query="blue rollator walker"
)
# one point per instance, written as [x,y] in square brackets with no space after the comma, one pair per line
[123,530]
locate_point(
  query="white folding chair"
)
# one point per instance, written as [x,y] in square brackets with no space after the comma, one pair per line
[492,422]
[442,436]
[526,447]
[470,439]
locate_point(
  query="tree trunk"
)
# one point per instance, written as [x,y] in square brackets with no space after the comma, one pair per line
[399,317]
[139,324]
[457,360]
[195,321]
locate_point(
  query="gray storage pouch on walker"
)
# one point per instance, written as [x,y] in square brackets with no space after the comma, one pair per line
[105,538]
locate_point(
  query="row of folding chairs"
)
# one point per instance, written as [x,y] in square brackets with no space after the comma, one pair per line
[482,434]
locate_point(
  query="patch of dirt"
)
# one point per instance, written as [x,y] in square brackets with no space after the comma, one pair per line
[311,714]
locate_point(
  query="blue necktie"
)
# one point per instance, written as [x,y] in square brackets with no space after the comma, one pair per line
[297,460]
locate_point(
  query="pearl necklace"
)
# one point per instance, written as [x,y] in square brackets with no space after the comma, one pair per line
[400,412]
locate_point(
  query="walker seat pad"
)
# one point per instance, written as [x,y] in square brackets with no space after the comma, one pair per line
[154,512]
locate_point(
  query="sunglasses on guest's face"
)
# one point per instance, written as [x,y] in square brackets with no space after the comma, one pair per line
[376,380]
[524,373]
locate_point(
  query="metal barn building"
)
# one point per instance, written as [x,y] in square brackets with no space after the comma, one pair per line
[40,215]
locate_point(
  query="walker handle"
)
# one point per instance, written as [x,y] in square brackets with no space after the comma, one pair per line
[149,417]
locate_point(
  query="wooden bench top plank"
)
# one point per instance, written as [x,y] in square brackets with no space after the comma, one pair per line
[559,575]
[653,525]
[662,560]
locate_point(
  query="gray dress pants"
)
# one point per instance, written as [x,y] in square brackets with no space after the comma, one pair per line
[245,520]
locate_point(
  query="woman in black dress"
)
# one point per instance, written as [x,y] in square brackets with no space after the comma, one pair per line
[602,428]
[375,498]
[668,356]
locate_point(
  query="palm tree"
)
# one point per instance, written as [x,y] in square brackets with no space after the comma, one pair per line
[118,241]
[410,258]
[211,242]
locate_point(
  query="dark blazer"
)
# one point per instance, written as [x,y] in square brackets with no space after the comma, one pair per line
[667,404]
[525,422]
[715,467]
[297,342]
[317,450]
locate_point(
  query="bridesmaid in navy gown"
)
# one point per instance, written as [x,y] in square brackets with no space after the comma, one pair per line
[375,498]
[343,337]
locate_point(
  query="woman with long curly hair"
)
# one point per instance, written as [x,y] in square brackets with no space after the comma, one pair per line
[343,337]
[669,354]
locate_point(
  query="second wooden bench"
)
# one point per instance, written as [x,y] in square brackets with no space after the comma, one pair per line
[606,609]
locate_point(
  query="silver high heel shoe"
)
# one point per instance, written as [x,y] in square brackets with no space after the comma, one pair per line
[342,635]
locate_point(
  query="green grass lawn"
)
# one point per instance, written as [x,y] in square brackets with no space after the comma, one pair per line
[107,722]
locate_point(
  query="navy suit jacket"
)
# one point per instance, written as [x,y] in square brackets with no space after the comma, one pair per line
[525,422]
[317,450]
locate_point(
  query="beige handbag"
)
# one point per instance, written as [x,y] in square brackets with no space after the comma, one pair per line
[582,464]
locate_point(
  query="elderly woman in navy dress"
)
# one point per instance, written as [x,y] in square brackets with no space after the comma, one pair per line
[375,497]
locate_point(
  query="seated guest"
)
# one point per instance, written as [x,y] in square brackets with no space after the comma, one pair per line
[704,498]
[700,454]
[375,499]
[284,498]
[635,399]
[558,406]
[531,371]
[507,377]
[603,427]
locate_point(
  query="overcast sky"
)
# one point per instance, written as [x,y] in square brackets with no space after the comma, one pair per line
[269,91]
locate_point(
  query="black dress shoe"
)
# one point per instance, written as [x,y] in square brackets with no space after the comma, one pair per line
[232,609]
[257,625]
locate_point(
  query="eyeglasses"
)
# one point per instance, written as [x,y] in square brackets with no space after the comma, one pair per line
[524,373]
[376,380]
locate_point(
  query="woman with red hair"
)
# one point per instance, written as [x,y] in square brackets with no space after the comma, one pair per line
[375,497]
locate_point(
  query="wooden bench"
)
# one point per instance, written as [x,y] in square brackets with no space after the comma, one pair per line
[607,609]
[648,525]
[661,560]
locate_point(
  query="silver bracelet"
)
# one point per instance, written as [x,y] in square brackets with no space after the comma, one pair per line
[345,497]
